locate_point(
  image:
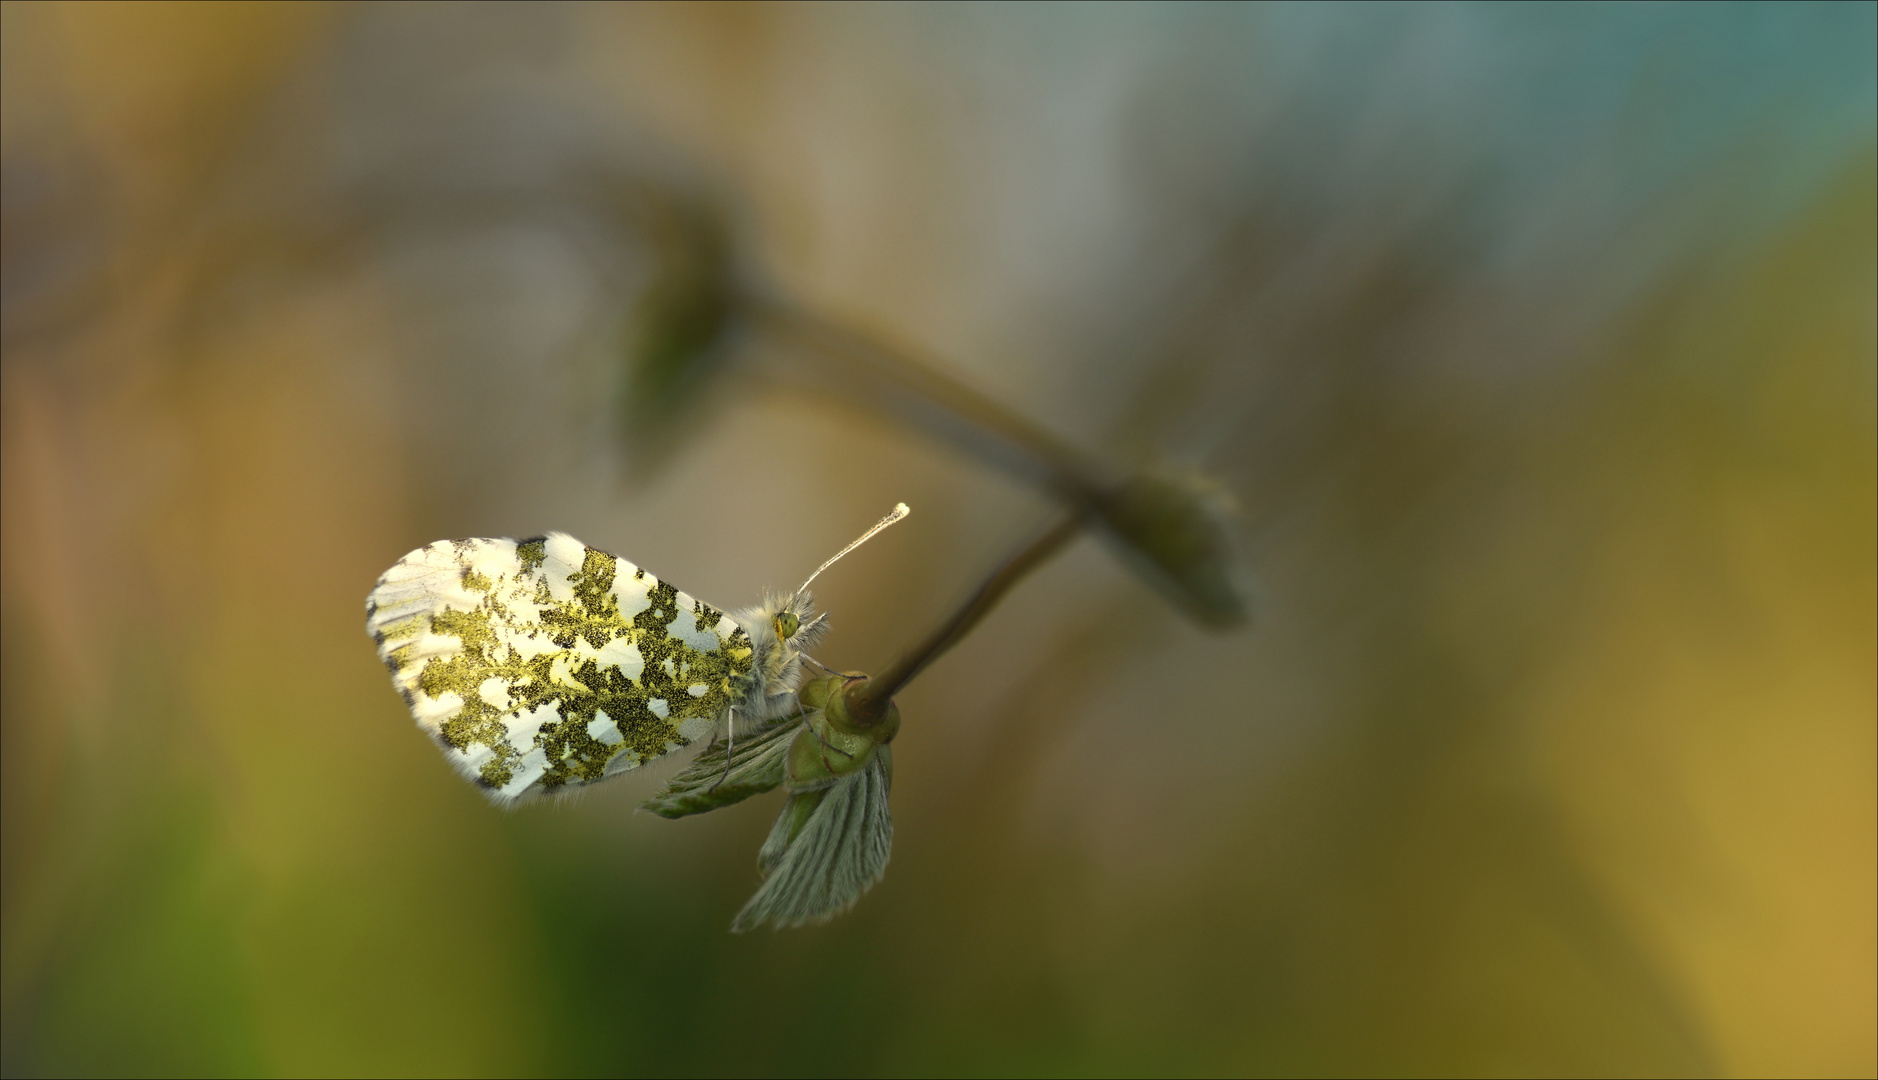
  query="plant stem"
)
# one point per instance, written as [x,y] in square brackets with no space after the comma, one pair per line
[868,698]
[876,374]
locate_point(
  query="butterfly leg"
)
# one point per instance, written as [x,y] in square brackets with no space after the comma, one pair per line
[818,735]
[730,746]
[826,745]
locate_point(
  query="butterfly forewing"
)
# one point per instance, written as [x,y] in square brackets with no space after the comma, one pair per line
[546,663]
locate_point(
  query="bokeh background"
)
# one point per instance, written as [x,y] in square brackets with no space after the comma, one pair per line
[1536,344]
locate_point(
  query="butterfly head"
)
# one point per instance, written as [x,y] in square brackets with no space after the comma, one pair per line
[795,622]
[783,629]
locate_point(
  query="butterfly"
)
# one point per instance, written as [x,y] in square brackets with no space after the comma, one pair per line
[543,665]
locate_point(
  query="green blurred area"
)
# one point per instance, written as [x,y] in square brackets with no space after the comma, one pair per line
[1537,345]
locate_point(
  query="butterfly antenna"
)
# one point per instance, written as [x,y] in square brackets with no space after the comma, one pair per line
[899,511]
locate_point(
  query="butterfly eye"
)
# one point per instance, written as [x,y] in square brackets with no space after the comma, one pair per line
[787,624]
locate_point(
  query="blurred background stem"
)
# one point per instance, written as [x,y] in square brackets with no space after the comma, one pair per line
[1174,528]
[889,376]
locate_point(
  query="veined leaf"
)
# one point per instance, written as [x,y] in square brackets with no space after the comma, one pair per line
[828,847]
[755,767]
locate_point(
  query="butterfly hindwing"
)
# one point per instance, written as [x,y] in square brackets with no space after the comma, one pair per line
[545,663]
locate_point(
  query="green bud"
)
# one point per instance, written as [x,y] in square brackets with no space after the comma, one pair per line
[842,719]
[814,693]
[820,755]
[1175,528]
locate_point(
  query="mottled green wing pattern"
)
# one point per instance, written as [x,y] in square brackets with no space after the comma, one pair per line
[543,664]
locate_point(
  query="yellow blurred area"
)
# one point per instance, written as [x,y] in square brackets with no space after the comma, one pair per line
[1711,733]
[1537,346]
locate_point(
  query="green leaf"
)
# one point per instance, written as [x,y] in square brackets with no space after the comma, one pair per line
[756,767]
[827,848]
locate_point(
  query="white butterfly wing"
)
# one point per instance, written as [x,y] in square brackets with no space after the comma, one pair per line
[546,664]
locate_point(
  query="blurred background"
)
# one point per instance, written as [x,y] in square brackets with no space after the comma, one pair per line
[1535,343]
